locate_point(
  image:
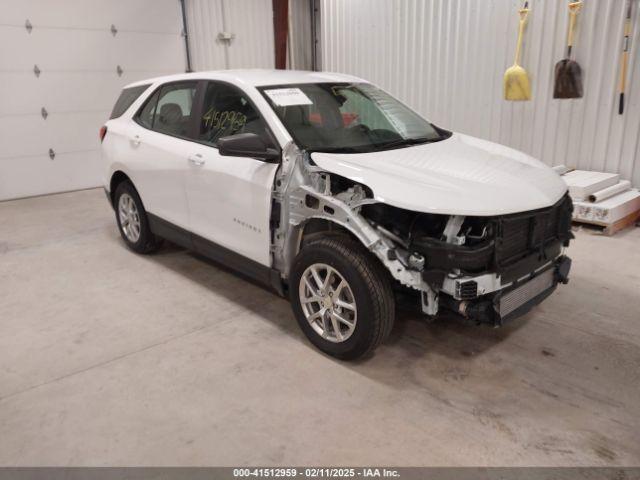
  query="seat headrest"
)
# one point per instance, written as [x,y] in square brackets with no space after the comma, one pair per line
[231,102]
[295,115]
[170,113]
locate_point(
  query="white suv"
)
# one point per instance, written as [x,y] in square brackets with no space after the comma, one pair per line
[325,187]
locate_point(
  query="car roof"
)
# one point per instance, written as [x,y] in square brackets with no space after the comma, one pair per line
[255,77]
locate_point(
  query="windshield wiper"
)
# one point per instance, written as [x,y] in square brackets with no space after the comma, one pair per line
[376,147]
[406,142]
[337,150]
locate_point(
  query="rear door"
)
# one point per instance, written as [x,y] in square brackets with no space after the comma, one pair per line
[159,147]
[230,197]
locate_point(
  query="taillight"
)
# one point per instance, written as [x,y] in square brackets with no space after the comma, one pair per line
[103,132]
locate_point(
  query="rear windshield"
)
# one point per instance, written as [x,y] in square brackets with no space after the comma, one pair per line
[126,98]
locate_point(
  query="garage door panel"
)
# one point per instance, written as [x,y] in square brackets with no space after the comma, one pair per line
[26,94]
[70,171]
[149,53]
[82,50]
[26,135]
[133,15]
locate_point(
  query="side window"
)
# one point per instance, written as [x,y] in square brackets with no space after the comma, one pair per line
[126,98]
[173,111]
[169,109]
[226,111]
[145,117]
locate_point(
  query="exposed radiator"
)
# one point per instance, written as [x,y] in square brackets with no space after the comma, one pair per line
[522,294]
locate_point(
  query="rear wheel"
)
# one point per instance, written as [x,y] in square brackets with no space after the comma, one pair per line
[132,220]
[341,297]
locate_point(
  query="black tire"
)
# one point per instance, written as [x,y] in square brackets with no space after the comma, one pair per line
[147,241]
[371,287]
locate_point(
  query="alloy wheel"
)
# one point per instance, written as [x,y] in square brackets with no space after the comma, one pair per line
[328,302]
[129,217]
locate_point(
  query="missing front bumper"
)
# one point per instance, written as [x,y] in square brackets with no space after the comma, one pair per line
[512,302]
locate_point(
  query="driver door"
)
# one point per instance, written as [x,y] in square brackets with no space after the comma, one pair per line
[229,198]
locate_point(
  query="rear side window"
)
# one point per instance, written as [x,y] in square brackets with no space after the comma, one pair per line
[126,98]
[169,109]
[145,117]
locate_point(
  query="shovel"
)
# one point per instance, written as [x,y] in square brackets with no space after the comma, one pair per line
[568,76]
[516,80]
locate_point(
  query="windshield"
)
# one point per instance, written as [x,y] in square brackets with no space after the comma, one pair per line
[348,118]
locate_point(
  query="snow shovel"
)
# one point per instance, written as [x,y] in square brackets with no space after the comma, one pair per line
[568,82]
[516,80]
[625,57]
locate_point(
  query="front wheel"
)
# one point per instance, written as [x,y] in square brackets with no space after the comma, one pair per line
[341,297]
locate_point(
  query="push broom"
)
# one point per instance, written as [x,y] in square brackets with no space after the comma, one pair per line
[568,76]
[516,80]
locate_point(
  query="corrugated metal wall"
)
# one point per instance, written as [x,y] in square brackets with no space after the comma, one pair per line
[446,58]
[251,23]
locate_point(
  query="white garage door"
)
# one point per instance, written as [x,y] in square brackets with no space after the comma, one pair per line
[60,77]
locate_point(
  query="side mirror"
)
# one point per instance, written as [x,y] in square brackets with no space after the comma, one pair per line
[247,145]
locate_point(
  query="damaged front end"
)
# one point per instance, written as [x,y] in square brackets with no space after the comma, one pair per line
[485,269]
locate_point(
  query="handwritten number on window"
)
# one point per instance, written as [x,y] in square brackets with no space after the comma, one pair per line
[226,120]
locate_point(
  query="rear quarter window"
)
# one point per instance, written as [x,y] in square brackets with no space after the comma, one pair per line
[126,98]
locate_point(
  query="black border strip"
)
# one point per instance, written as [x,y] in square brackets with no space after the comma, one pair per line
[319,472]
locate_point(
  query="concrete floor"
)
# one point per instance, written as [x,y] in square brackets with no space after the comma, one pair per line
[110,358]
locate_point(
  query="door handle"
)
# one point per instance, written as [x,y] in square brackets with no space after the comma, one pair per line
[196,160]
[135,140]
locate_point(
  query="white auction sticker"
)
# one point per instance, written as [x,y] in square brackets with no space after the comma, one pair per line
[285,97]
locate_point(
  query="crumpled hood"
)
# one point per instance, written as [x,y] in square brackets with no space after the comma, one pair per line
[461,175]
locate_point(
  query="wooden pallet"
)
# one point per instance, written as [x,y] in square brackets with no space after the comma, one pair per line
[609,229]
